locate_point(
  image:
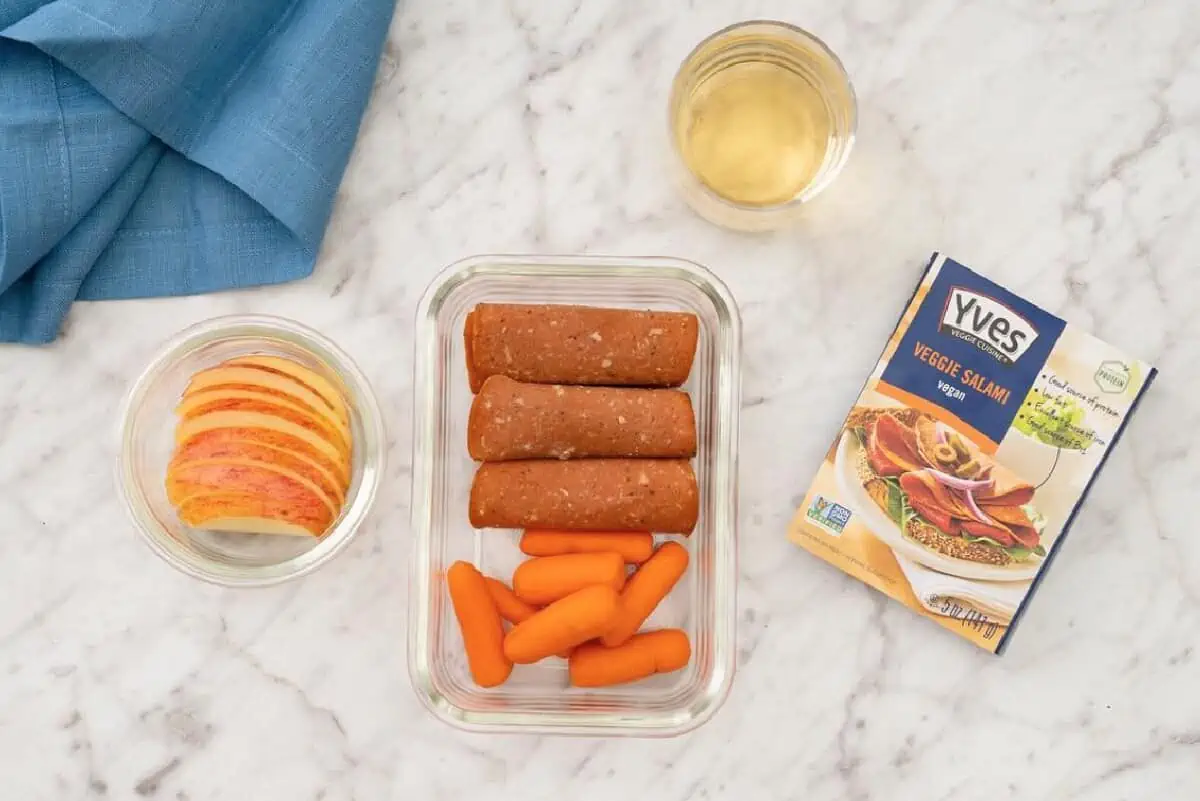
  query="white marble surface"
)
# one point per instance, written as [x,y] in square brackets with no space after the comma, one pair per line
[1054,146]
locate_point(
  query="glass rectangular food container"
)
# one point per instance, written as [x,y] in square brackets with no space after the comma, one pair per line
[537,698]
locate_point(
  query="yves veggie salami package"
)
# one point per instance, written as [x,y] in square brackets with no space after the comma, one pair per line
[956,474]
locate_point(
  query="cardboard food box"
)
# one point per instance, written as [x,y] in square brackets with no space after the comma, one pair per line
[954,478]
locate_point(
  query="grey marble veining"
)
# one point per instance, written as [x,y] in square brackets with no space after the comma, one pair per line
[1052,146]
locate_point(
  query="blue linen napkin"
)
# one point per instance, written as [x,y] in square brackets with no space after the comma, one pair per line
[168,147]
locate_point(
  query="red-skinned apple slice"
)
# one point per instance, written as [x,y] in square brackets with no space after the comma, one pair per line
[252,478]
[242,377]
[220,399]
[269,428]
[251,514]
[271,438]
[262,390]
[242,449]
[333,396]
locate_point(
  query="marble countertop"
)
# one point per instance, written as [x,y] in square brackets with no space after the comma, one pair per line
[1053,146]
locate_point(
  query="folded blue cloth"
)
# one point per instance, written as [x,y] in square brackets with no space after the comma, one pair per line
[169,147]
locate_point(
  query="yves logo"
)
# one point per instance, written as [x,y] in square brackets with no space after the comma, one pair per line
[987,324]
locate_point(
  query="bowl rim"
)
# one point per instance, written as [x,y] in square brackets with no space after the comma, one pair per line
[678,721]
[356,508]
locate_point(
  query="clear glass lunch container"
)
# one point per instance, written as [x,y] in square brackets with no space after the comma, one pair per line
[147,442]
[537,697]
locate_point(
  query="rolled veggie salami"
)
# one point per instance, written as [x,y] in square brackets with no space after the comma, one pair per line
[587,495]
[547,344]
[513,420]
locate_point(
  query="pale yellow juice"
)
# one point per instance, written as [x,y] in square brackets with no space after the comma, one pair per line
[756,134]
[762,118]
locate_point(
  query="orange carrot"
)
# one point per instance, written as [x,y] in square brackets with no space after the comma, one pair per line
[635,547]
[511,608]
[662,651]
[646,588]
[482,629]
[547,578]
[563,624]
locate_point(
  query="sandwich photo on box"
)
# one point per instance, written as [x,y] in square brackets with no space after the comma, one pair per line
[941,491]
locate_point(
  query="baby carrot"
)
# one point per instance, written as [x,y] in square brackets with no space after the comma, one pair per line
[482,629]
[646,588]
[594,665]
[635,547]
[547,578]
[563,624]
[510,607]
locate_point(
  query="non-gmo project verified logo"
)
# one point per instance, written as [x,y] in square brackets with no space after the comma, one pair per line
[831,516]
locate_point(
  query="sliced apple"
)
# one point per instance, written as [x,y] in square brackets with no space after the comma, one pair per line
[263,446]
[331,393]
[254,378]
[266,428]
[200,450]
[221,399]
[264,391]
[325,414]
[251,514]
[272,438]
[253,478]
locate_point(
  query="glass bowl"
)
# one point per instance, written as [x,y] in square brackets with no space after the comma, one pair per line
[147,425]
[537,697]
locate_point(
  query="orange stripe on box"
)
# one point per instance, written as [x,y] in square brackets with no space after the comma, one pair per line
[984,444]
